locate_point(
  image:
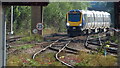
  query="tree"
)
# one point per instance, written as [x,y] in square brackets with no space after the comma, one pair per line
[22,18]
[55,13]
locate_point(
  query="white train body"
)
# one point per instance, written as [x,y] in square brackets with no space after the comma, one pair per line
[88,21]
[96,19]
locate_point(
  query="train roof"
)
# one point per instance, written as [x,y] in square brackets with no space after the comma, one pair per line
[90,12]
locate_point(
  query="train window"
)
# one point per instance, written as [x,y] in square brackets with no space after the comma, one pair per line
[74,17]
[109,18]
[91,19]
[101,18]
[106,18]
[86,18]
[96,18]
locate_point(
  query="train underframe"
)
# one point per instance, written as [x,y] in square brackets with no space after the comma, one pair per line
[76,31]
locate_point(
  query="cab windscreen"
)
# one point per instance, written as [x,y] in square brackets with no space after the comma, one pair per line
[74,17]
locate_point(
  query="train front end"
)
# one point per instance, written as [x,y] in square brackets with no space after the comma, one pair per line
[74,22]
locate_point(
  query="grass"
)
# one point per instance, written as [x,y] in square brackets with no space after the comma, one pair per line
[47,31]
[25,60]
[47,59]
[28,32]
[21,60]
[96,60]
[23,32]
[33,37]
[26,46]
[16,60]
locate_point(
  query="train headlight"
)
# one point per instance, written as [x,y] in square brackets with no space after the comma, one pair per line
[80,24]
[68,24]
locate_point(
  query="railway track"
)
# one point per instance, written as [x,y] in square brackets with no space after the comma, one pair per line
[12,39]
[60,45]
[99,43]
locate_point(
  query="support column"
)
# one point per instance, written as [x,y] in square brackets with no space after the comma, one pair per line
[11,31]
[117,5]
[2,36]
[36,18]
[117,15]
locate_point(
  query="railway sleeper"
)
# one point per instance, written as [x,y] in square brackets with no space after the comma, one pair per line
[113,45]
[94,43]
[53,48]
[57,45]
[112,51]
[12,40]
[109,49]
[68,51]
[72,52]
[72,49]
[97,40]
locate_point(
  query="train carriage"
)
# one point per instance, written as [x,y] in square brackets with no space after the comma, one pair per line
[79,22]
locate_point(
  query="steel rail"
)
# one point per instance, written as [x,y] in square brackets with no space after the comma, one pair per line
[34,55]
[60,50]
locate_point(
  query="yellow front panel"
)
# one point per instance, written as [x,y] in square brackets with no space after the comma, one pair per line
[75,23]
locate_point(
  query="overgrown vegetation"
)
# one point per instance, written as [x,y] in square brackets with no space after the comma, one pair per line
[47,31]
[47,59]
[96,60]
[25,60]
[26,46]
[22,18]
[114,39]
[57,13]
[32,37]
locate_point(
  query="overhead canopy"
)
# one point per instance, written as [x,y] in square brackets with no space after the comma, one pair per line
[25,2]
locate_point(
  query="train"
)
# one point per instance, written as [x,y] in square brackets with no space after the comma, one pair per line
[81,22]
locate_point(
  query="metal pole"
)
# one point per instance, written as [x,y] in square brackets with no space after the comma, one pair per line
[118,37]
[2,36]
[11,19]
[42,10]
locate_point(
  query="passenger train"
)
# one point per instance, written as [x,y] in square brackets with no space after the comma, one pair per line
[80,22]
